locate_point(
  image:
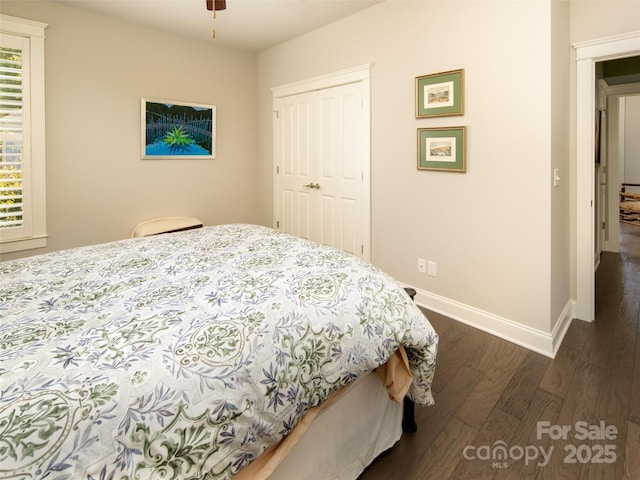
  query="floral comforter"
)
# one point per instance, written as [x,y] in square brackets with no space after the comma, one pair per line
[184,356]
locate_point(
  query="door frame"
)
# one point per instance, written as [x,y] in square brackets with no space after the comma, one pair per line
[360,74]
[587,54]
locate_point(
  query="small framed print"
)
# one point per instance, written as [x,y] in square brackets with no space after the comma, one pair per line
[442,149]
[440,94]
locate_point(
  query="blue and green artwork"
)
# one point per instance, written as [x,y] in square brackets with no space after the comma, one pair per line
[178,130]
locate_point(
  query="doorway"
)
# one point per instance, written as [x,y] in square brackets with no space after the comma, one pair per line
[623,159]
[587,54]
[321,139]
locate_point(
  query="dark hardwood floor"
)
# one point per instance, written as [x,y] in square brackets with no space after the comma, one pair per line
[490,394]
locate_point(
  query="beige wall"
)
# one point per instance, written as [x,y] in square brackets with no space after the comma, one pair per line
[632,141]
[601,18]
[489,230]
[97,69]
[560,259]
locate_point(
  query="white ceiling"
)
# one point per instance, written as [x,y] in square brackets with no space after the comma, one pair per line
[252,25]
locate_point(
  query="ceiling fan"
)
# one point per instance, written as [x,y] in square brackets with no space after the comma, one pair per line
[214,6]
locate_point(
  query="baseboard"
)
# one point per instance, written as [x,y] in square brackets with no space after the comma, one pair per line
[563,323]
[533,339]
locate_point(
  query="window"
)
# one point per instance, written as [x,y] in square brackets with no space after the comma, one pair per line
[22,152]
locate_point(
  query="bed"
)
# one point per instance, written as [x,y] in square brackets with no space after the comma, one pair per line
[193,354]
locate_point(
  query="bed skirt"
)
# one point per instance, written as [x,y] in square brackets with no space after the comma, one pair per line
[337,440]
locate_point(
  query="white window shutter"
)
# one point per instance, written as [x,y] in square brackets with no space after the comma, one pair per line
[12,133]
[22,136]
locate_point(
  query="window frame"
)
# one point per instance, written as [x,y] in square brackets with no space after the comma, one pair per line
[33,233]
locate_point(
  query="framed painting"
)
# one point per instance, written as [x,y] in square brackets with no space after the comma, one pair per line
[177,130]
[440,94]
[442,149]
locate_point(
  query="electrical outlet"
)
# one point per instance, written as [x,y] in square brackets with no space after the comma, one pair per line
[422,265]
[431,269]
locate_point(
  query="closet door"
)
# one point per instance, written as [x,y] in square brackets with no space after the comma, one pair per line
[296,167]
[321,183]
[339,177]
